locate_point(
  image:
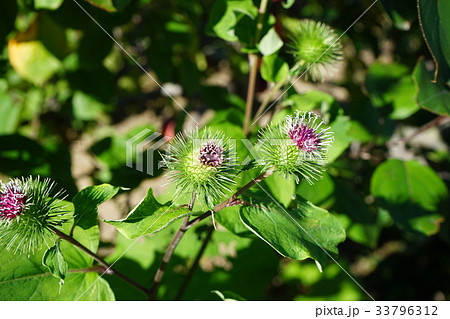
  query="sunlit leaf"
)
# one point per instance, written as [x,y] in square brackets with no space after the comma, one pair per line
[148,217]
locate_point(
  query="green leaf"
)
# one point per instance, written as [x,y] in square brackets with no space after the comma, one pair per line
[54,261]
[225,15]
[229,218]
[434,97]
[342,138]
[392,85]
[86,107]
[109,5]
[47,4]
[148,216]
[412,193]
[435,23]
[270,43]
[281,188]
[274,68]
[288,3]
[26,279]
[228,295]
[9,114]
[305,231]
[86,204]
[31,57]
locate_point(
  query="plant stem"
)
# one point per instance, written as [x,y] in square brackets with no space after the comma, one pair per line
[267,99]
[253,62]
[185,225]
[108,269]
[194,266]
[232,200]
[167,256]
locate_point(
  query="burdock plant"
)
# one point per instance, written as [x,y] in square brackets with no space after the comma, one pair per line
[30,210]
[315,47]
[296,147]
[203,163]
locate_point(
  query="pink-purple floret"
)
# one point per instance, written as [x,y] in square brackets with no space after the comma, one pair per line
[305,138]
[211,155]
[12,202]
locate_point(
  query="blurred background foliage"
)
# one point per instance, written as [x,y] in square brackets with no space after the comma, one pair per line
[70,98]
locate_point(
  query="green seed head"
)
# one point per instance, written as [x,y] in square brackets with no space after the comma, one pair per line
[29,209]
[315,47]
[296,147]
[202,162]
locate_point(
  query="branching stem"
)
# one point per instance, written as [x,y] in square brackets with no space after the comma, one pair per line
[108,269]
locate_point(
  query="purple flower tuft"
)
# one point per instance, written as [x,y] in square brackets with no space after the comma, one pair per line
[306,138]
[211,155]
[12,201]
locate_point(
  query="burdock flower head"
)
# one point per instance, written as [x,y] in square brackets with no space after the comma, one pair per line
[315,47]
[28,213]
[298,146]
[201,163]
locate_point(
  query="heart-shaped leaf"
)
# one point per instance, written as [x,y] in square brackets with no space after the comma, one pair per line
[148,216]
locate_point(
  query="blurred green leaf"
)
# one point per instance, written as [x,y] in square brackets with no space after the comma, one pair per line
[9,114]
[47,4]
[30,57]
[148,216]
[391,84]
[434,97]
[109,5]
[87,107]
[274,68]
[402,12]
[225,15]
[305,231]
[270,43]
[340,127]
[412,193]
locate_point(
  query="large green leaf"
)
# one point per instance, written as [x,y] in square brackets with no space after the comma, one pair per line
[434,97]
[86,204]
[412,193]
[306,231]
[435,23]
[23,278]
[27,278]
[148,216]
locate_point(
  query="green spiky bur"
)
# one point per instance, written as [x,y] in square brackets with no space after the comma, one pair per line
[315,47]
[32,228]
[297,147]
[210,176]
